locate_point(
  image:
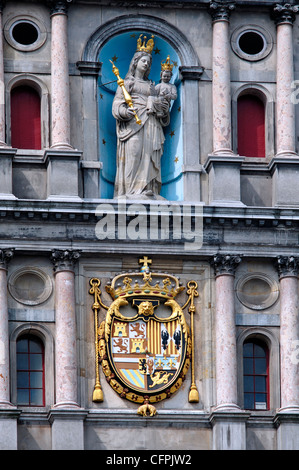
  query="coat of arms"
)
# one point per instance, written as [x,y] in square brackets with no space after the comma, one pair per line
[145,356]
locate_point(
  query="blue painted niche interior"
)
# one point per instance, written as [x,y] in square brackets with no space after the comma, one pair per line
[121,49]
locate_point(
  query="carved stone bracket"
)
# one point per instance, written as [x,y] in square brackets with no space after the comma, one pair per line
[285,13]
[225,264]
[220,11]
[5,256]
[287,266]
[64,260]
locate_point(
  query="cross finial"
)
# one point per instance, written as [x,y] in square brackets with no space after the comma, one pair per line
[145,262]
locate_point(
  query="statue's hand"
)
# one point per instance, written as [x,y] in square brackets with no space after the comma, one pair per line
[131,112]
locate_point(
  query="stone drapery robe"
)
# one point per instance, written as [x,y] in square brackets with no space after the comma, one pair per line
[139,147]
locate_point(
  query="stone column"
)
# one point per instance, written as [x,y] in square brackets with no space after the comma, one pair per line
[65,320]
[227,419]
[288,269]
[285,112]
[225,332]
[60,87]
[284,166]
[66,416]
[222,165]
[61,159]
[220,12]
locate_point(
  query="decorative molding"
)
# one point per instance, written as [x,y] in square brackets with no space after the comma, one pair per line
[285,13]
[287,266]
[191,72]
[225,264]
[5,256]
[64,260]
[59,6]
[220,11]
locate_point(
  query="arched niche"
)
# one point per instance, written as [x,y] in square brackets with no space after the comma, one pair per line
[117,39]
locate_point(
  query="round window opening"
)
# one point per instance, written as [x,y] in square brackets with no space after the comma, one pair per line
[25,33]
[251,42]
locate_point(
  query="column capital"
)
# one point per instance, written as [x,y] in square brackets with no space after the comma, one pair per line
[5,256]
[287,266]
[59,6]
[64,260]
[285,13]
[220,11]
[225,264]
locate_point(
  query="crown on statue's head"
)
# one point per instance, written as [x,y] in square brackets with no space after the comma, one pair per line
[142,46]
[144,283]
[166,65]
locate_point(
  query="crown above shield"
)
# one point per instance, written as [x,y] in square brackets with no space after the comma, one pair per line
[142,46]
[145,283]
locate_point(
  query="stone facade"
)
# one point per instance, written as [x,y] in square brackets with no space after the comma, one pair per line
[240,219]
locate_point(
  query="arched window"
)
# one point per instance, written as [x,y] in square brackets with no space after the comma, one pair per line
[25,118]
[256,375]
[251,126]
[30,371]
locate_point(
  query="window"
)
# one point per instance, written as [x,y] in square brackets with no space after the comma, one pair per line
[25,118]
[30,371]
[251,127]
[256,375]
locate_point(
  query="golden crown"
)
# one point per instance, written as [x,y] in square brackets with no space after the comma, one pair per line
[167,65]
[144,283]
[148,47]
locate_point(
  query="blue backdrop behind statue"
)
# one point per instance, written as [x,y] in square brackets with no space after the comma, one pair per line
[120,50]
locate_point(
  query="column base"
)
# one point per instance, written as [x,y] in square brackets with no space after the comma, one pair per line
[62,174]
[287,424]
[285,180]
[222,168]
[229,429]
[67,428]
[8,428]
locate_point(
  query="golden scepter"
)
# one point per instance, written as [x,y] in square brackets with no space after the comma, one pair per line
[127,95]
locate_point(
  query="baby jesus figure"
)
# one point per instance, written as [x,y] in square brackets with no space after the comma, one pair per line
[165,89]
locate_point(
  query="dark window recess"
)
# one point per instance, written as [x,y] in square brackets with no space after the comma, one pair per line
[251,127]
[25,33]
[256,375]
[251,43]
[30,371]
[25,118]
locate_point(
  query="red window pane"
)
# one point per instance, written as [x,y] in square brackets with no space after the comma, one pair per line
[30,371]
[251,127]
[25,118]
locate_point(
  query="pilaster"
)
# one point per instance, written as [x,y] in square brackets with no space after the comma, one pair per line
[192,168]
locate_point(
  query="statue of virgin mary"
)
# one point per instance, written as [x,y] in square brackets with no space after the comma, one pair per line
[139,146]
